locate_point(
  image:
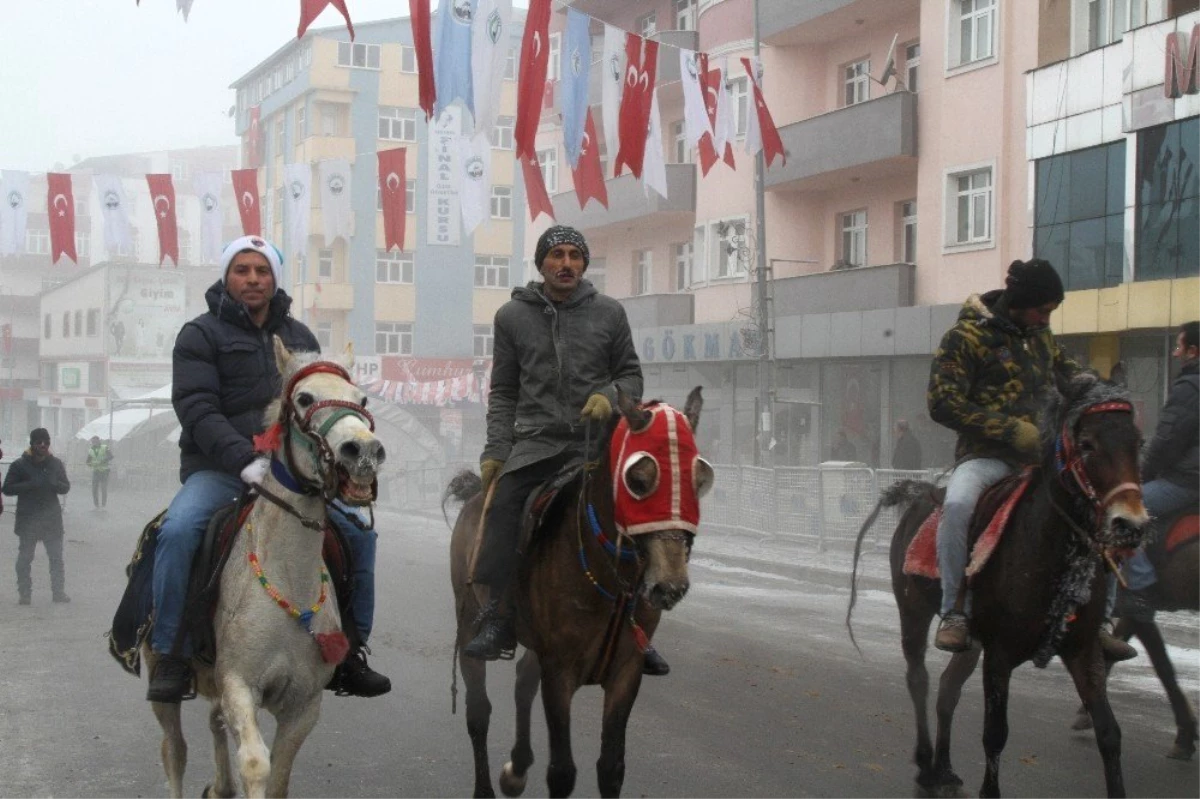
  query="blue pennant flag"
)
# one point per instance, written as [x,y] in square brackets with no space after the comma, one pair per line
[576,62]
[452,54]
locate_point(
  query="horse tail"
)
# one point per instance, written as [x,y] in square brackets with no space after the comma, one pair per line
[461,488]
[902,493]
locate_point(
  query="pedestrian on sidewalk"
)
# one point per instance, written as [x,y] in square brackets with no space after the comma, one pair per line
[907,454]
[37,479]
[99,460]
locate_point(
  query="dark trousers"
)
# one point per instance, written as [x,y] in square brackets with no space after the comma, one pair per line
[502,530]
[100,489]
[54,551]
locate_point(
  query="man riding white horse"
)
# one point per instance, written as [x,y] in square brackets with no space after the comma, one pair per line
[224,376]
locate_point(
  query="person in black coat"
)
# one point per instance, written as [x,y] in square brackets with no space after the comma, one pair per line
[907,454]
[37,479]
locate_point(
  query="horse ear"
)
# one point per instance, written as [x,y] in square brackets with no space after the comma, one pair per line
[348,357]
[637,418]
[283,356]
[691,408]
[1118,375]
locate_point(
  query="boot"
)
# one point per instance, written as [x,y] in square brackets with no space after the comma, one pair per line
[353,677]
[497,636]
[1115,650]
[654,664]
[171,680]
[61,597]
[954,633]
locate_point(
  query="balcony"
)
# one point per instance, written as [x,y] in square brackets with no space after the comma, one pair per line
[320,148]
[326,296]
[627,201]
[659,310]
[866,288]
[874,139]
[806,22]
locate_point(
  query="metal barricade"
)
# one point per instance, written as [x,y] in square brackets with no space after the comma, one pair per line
[798,503]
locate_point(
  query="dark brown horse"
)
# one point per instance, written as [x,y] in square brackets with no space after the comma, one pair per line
[583,612]
[1042,592]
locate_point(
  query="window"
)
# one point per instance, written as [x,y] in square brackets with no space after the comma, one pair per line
[682,255]
[361,56]
[912,62]
[325,264]
[646,25]
[502,132]
[857,80]
[186,256]
[482,339]
[976,32]
[37,241]
[301,123]
[1168,201]
[491,271]
[685,15]
[393,338]
[78,324]
[730,247]
[554,64]
[331,120]
[66,324]
[93,322]
[739,93]
[408,59]
[289,71]
[970,207]
[393,267]
[398,124]
[179,171]
[548,161]
[83,242]
[854,238]
[501,202]
[306,56]
[510,64]
[47,326]
[597,273]
[279,135]
[643,268]
[682,150]
[1102,22]
[324,331]
[908,232]
[1079,211]
[410,196]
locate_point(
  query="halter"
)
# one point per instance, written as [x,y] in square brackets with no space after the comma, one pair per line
[1068,461]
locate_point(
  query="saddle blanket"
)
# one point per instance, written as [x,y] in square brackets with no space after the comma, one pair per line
[998,502]
[1185,530]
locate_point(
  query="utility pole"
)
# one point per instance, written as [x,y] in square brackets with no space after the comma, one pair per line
[765,410]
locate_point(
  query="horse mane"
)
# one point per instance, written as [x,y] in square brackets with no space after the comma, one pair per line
[1065,405]
[299,360]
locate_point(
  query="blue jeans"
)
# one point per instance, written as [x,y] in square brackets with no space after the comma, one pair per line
[1162,499]
[967,482]
[180,536]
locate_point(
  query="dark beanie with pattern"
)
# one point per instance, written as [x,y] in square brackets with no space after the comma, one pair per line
[1032,284]
[556,235]
[39,434]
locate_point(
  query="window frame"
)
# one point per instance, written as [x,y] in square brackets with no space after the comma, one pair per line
[642,273]
[951,195]
[492,272]
[681,263]
[853,227]
[408,53]
[403,333]
[912,64]
[325,263]
[856,82]
[501,197]
[399,267]
[393,116]
[502,136]
[956,14]
[908,219]
[483,340]
[549,168]
[323,330]
[347,55]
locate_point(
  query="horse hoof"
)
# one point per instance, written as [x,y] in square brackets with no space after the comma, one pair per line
[1180,753]
[510,783]
[1083,721]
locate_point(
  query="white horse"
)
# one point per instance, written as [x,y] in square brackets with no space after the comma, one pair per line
[266,655]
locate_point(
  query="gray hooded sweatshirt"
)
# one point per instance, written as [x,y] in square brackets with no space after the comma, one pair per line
[548,358]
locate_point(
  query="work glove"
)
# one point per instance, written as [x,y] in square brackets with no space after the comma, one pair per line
[1026,437]
[489,470]
[596,409]
[255,471]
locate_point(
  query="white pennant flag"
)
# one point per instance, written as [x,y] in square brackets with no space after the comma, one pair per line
[14,211]
[725,129]
[654,164]
[297,198]
[110,193]
[695,117]
[612,78]
[475,180]
[207,186]
[185,7]
[490,32]
[335,200]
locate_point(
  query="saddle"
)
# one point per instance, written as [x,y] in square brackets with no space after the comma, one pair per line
[1183,528]
[988,523]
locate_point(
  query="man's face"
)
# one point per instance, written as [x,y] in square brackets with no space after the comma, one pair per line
[562,269]
[41,449]
[1182,351]
[250,280]
[1034,317]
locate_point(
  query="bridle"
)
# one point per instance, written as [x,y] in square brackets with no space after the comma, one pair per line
[1069,464]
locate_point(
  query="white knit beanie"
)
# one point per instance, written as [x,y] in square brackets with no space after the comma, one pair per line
[257,244]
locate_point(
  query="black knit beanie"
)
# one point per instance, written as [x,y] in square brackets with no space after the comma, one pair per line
[556,235]
[1032,284]
[39,434]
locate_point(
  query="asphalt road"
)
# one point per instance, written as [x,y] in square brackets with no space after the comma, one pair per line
[766,697]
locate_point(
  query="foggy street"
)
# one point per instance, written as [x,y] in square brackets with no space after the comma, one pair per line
[767,697]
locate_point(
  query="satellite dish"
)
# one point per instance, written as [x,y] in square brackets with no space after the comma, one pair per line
[889,64]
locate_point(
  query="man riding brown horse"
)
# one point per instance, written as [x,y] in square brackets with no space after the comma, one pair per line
[985,383]
[562,349]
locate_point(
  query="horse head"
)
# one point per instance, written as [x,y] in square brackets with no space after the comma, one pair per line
[321,429]
[1092,444]
[658,478]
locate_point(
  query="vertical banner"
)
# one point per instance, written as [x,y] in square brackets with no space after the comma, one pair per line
[14,211]
[475,183]
[253,142]
[589,175]
[575,71]
[207,186]
[452,56]
[118,236]
[760,126]
[245,191]
[490,33]
[531,82]
[393,188]
[162,200]
[654,167]
[336,212]
[640,72]
[418,12]
[535,189]
[60,209]
[612,79]
[311,9]
[297,198]
[442,213]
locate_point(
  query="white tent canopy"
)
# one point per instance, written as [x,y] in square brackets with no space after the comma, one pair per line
[124,421]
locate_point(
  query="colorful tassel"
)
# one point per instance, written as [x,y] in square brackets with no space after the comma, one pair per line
[334,646]
[270,439]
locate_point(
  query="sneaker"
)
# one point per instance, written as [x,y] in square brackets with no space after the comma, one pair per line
[954,633]
[654,664]
[61,598]
[353,677]
[1114,648]
[171,680]
[496,639]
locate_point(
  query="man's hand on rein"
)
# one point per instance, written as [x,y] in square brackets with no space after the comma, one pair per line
[597,409]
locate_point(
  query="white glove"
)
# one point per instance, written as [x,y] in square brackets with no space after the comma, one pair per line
[255,471]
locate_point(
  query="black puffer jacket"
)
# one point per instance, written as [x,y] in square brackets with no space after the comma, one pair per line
[36,485]
[1174,452]
[224,376]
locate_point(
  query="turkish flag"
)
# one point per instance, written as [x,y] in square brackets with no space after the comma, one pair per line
[162,200]
[589,174]
[60,207]
[254,140]
[535,189]
[768,134]
[245,191]
[418,11]
[635,102]
[710,84]
[311,9]
[392,187]
[531,83]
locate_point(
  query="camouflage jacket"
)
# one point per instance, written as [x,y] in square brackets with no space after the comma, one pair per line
[988,373]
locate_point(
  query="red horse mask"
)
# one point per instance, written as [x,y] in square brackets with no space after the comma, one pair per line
[673,502]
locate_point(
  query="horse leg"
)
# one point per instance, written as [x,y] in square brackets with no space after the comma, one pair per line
[513,775]
[479,714]
[291,730]
[239,709]
[222,785]
[1124,629]
[954,676]
[1088,670]
[914,640]
[996,675]
[1185,715]
[619,695]
[557,691]
[174,747]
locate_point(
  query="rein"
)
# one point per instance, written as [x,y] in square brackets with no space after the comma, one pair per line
[1068,462]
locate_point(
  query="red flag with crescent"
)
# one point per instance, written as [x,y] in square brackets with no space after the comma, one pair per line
[641,58]
[531,82]
[162,200]
[311,9]
[245,191]
[710,85]
[418,11]
[535,189]
[771,143]
[60,207]
[252,142]
[392,188]
[589,174]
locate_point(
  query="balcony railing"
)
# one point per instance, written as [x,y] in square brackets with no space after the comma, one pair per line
[627,201]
